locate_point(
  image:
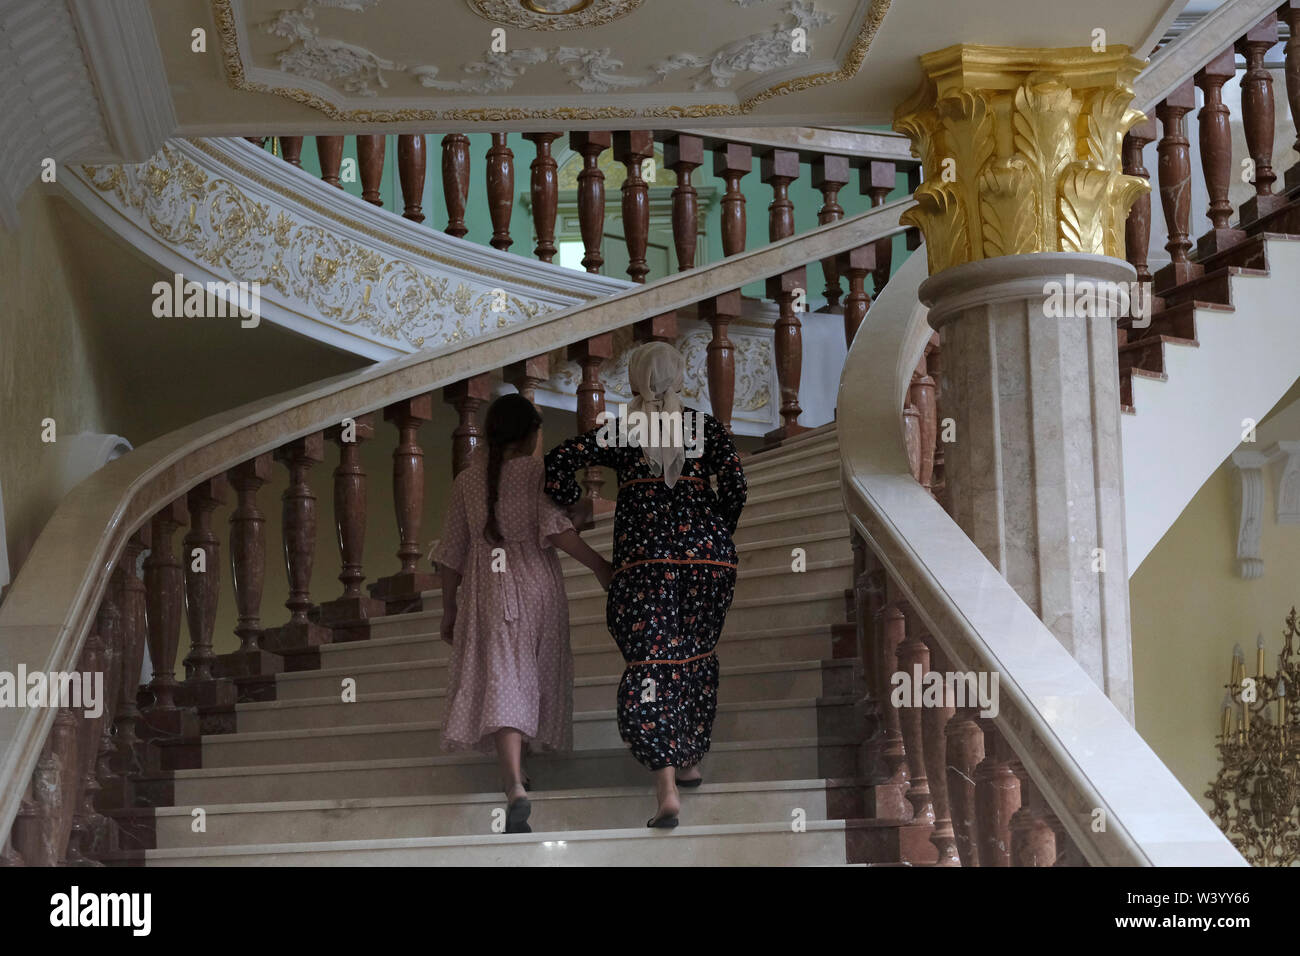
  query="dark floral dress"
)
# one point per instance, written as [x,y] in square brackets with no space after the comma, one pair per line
[674,574]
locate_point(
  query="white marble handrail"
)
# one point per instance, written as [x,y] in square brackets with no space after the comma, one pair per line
[1080,751]
[45,618]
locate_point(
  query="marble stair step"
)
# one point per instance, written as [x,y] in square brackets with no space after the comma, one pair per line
[754,556]
[800,682]
[404,727]
[476,813]
[798,679]
[742,844]
[727,762]
[599,655]
[801,604]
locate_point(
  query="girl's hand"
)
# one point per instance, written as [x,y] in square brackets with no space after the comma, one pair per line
[580,513]
[605,574]
[448,626]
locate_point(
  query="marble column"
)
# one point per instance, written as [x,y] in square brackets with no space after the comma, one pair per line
[1023,209]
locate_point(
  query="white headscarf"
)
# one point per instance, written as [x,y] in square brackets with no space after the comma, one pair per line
[655,371]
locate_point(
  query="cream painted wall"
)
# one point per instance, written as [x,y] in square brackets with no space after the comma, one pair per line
[51,365]
[1189,607]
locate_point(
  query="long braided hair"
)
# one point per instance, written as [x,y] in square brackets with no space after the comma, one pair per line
[510,419]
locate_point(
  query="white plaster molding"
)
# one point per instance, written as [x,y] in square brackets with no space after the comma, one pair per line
[1288,483]
[83,82]
[332,267]
[1250,503]
[126,66]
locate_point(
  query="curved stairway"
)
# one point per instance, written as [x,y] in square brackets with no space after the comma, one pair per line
[307,779]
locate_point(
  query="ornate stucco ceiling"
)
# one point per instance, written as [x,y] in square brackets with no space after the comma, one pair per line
[302,65]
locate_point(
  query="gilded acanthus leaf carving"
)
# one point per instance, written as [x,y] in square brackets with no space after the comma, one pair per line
[1021,151]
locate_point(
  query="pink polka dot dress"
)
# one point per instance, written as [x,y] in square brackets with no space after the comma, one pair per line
[511,665]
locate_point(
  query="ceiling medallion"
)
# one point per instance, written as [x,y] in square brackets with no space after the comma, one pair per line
[553,14]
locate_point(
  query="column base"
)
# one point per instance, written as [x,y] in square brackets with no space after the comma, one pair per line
[784,433]
[351,610]
[402,592]
[296,636]
[1257,207]
[1175,274]
[257,662]
[206,693]
[1217,240]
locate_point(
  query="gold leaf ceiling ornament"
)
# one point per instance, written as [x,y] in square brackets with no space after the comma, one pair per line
[367,68]
[1021,150]
[553,14]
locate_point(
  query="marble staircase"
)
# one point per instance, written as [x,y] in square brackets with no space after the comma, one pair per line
[302,778]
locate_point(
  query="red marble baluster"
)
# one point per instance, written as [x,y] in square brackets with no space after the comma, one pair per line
[41,831]
[1033,836]
[202,587]
[131,603]
[86,820]
[997,798]
[657,328]
[732,162]
[106,783]
[965,751]
[353,605]
[877,180]
[1216,152]
[525,376]
[402,590]
[857,264]
[455,181]
[591,354]
[934,364]
[1137,228]
[869,595]
[788,348]
[1291,13]
[1175,169]
[684,154]
[891,626]
[934,722]
[248,549]
[591,194]
[921,395]
[1257,117]
[298,527]
[410,171]
[500,190]
[720,311]
[544,191]
[258,141]
[467,397]
[329,149]
[632,149]
[912,437]
[291,150]
[370,158]
[830,174]
[780,167]
[911,653]
[164,586]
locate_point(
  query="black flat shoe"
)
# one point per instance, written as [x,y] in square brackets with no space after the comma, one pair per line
[517,816]
[690,784]
[662,823]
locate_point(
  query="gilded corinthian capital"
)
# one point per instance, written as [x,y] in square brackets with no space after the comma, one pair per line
[1021,150]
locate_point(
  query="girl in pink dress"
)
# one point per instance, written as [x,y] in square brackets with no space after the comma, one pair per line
[504,609]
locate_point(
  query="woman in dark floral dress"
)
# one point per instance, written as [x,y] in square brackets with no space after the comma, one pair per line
[675,569]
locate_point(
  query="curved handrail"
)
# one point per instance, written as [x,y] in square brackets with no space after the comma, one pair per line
[1173,65]
[1080,751]
[47,614]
